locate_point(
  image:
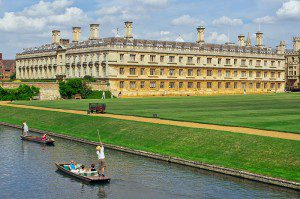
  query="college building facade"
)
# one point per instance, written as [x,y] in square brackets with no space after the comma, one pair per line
[137,67]
[293,66]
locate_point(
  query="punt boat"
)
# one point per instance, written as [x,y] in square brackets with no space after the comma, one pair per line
[64,167]
[37,139]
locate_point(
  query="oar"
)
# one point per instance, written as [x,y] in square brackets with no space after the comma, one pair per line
[107,172]
[98,135]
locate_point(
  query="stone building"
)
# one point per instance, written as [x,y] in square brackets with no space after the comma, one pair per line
[139,67]
[7,68]
[293,66]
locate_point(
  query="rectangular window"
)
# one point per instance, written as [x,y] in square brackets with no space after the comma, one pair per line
[152,84]
[272,74]
[162,84]
[180,59]
[228,61]
[227,73]
[265,85]
[142,57]
[190,72]
[272,63]
[250,73]
[244,74]
[198,72]
[219,84]
[132,84]
[219,60]
[162,58]
[258,62]
[152,58]
[235,61]
[142,71]
[190,84]
[235,73]
[208,84]
[121,57]
[257,73]
[227,85]
[152,71]
[272,85]
[132,57]
[198,84]
[243,63]
[121,71]
[172,72]
[265,74]
[198,60]
[279,85]
[243,85]
[132,71]
[209,60]
[171,59]
[162,72]
[279,74]
[121,84]
[250,62]
[209,72]
[180,72]
[235,84]
[250,85]
[190,60]
[220,73]
[180,84]
[171,84]
[265,63]
[257,85]
[142,84]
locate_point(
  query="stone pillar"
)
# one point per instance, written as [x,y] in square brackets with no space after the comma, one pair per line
[200,35]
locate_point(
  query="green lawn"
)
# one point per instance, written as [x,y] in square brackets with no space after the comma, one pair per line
[262,155]
[272,112]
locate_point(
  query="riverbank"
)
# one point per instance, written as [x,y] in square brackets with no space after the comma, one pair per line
[266,156]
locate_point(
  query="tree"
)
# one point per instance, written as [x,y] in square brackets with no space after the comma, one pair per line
[72,87]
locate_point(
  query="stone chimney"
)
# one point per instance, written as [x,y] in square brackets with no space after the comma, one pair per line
[76,32]
[248,42]
[55,36]
[94,31]
[296,44]
[281,48]
[241,40]
[128,30]
[259,39]
[200,35]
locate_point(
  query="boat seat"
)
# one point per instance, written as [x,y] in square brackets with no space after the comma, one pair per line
[67,167]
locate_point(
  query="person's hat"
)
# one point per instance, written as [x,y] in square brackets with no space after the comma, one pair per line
[98,148]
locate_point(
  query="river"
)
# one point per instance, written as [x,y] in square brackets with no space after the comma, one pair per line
[28,171]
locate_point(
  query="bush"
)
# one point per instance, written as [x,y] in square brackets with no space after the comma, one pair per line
[13,76]
[88,78]
[23,92]
[98,95]
[72,87]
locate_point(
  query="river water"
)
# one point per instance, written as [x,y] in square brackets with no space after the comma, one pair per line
[28,171]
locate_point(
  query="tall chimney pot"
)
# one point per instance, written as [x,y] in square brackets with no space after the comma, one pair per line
[94,31]
[259,39]
[55,36]
[76,32]
[241,40]
[128,30]
[200,35]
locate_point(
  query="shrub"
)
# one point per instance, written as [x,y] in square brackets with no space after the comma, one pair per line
[23,92]
[72,87]
[98,95]
[88,78]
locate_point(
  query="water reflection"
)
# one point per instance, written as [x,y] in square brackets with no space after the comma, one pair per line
[31,168]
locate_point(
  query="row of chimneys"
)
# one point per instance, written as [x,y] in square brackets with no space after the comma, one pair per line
[94,33]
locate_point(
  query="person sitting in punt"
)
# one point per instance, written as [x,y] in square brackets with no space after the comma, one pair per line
[93,167]
[72,166]
[82,169]
[44,137]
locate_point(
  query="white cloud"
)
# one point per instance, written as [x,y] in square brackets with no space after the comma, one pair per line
[290,9]
[227,21]
[109,10]
[154,3]
[41,15]
[186,20]
[12,22]
[214,37]
[264,20]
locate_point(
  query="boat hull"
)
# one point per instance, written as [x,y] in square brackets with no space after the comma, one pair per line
[37,139]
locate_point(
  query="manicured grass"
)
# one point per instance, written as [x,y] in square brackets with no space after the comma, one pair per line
[262,155]
[279,112]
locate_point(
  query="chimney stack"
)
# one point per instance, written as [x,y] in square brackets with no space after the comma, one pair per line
[281,48]
[259,39]
[94,31]
[55,36]
[200,35]
[248,41]
[128,30]
[241,40]
[296,44]
[76,32]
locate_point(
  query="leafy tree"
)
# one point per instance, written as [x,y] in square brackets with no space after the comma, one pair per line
[72,87]
[13,76]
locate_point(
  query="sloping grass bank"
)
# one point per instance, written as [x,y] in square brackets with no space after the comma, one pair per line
[262,155]
[280,112]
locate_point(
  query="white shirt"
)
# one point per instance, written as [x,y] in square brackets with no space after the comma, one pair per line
[25,128]
[101,153]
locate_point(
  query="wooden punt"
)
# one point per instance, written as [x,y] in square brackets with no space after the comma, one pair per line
[38,139]
[90,179]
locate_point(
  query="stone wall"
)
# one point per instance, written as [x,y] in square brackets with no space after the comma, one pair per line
[48,90]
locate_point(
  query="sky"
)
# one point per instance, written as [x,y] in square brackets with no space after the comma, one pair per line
[28,23]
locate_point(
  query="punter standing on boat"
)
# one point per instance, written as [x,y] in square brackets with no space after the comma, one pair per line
[101,159]
[25,129]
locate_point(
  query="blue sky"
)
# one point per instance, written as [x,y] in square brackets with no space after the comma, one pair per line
[28,23]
